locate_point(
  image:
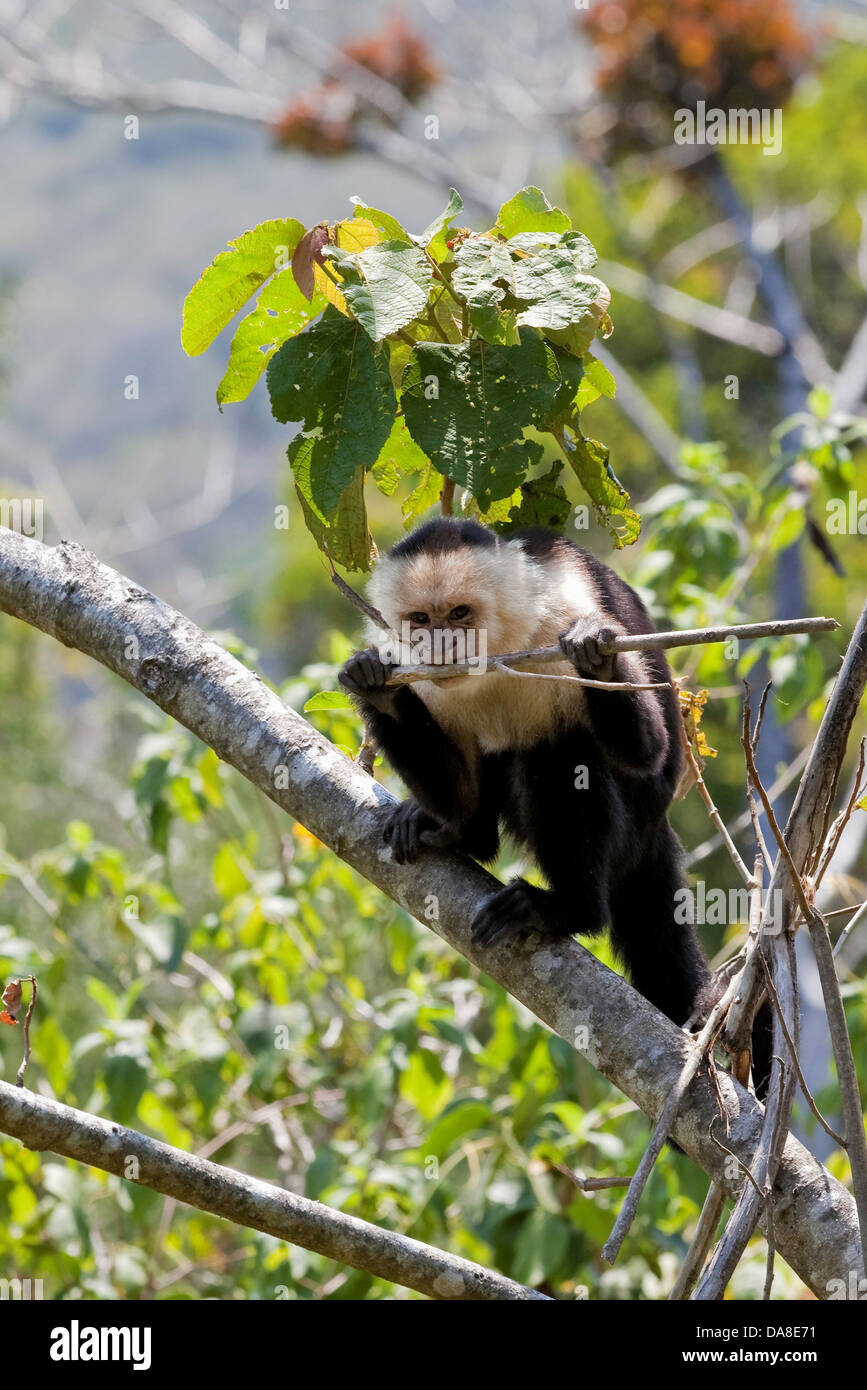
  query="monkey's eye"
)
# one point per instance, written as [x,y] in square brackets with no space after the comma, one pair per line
[419,619]
[462,611]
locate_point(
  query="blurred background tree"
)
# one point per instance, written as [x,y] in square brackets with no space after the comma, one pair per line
[174,921]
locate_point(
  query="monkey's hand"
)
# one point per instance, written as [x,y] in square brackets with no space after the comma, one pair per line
[410,829]
[364,676]
[582,643]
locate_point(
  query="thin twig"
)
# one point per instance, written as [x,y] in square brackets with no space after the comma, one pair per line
[847,1079]
[859,917]
[772,820]
[841,822]
[705,1231]
[712,811]
[838,1139]
[19,1079]
[629,642]
[663,1125]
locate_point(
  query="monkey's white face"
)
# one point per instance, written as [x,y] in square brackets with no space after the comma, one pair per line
[492,594]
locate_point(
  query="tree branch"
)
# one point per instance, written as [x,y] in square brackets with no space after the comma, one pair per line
[44,1124]
[66,592]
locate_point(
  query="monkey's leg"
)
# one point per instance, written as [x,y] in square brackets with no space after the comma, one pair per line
[662,954]
[568,829]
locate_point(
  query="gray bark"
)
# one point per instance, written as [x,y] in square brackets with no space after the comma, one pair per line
[43,1124]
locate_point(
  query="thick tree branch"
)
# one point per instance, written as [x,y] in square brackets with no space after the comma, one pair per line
[66,592]
[44,1124]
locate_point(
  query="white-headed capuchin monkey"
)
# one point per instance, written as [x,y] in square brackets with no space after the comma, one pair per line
[581,778]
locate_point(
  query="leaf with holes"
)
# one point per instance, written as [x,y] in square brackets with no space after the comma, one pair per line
[468,404]
[331,378]
[232,277]
[346,536]
[484,274]
[281,312]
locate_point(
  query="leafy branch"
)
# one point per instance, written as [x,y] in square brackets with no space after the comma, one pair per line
[437,358]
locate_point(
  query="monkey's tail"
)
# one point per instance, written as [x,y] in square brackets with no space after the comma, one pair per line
[763,1030]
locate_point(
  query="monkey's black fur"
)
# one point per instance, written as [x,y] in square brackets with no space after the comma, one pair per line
[606,850]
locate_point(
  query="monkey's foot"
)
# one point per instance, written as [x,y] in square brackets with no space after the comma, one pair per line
[409,829]
[515,910]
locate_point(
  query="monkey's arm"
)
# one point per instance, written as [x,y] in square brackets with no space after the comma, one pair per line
[447,810]
[629,723]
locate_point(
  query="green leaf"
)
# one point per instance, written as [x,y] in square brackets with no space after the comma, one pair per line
[424,496]
[543,503]
[530,211]
[327,699]
[565,403]
[232,277]
[281,312]
[441,224]
[540,1248]
[126,1082]
[392,288]
[388,227]
[484,273]
[600,376]
[467,405]
[399,456]
[464,1117]
[557,294]
[330,378]
[610,499]
[229,878]
[346,536]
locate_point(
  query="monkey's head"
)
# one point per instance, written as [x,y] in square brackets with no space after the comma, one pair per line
[456,576]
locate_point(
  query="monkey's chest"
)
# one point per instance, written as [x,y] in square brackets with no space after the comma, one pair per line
[497,713]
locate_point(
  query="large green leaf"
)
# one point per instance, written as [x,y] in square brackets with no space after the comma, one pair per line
[468,404]
[331,378]
[388,227]
[556,293]
[435,232]
[530,211]
[233,276]
[399,455]
[389,287]
[484,273]
[424,495]
[543,503]
[346,537]
[281,312]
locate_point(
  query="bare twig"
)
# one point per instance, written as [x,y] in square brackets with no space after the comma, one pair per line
[856,921]
[847,1079]
[631,642]
[808,1095]
[19,1080]
[662,1128]
[701,788]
